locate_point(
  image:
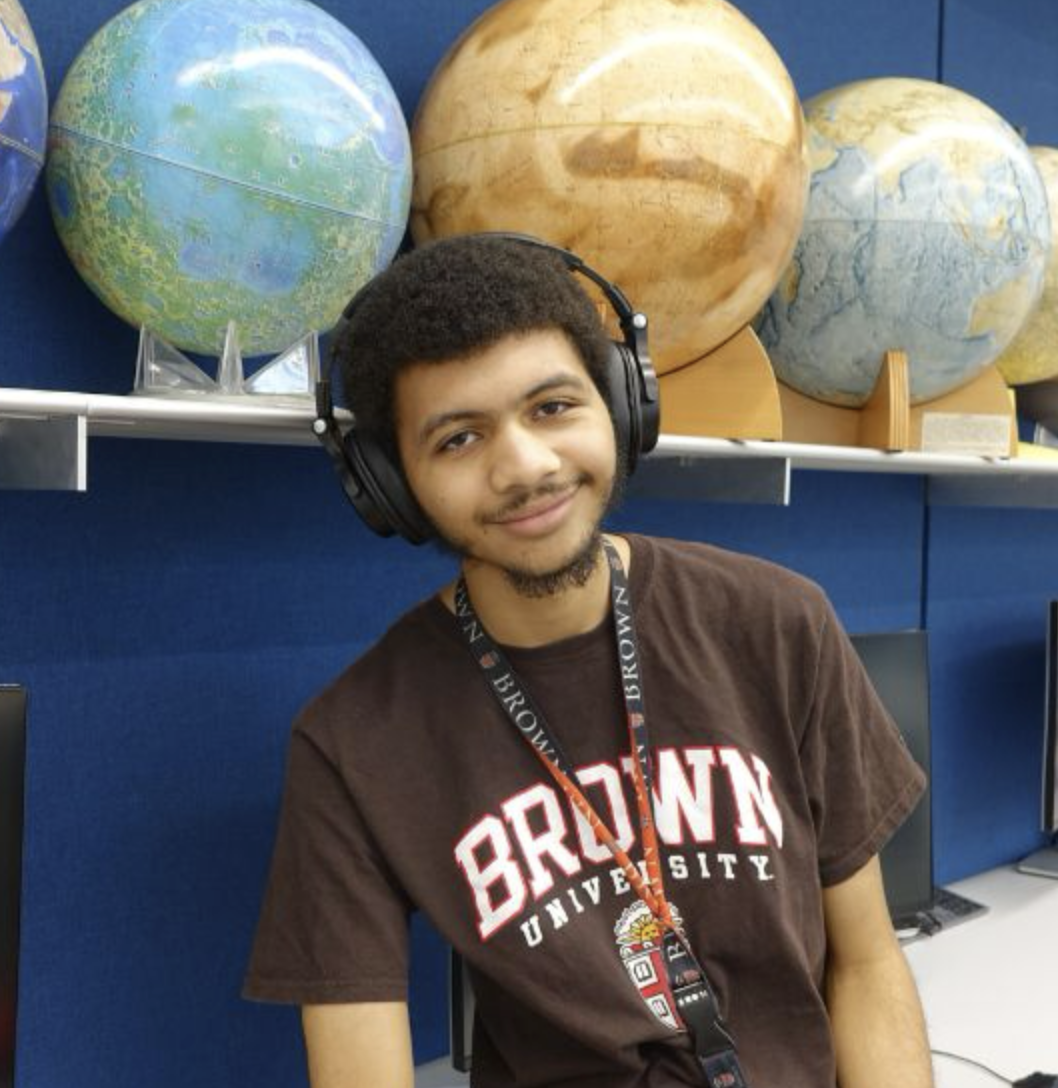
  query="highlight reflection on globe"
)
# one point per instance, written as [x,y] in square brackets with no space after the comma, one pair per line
[662,142]
[1033,356]
[216,160]
[926,231]
[23,113]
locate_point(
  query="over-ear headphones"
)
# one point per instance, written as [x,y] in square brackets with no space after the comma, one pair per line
[376,487]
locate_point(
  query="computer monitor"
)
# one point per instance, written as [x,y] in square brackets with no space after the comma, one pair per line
[12,775]
[1045,862]
[897,663]
[1050,727]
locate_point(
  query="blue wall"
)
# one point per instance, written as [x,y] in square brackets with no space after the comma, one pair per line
[169,622]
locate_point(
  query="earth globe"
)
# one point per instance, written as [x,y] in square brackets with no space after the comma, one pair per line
[663,143]
[228,160]
[23,113]
[926,231]
[1033,355]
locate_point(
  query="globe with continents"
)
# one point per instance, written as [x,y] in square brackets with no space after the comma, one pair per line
[1033,356]
[23,113]
[926,231]
[228,160]
[662,142]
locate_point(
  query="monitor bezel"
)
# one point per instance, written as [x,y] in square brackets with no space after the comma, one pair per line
[13,701]
[1049,783]
[913,840]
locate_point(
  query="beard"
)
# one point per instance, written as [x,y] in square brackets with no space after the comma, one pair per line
[576,570]
[572,574]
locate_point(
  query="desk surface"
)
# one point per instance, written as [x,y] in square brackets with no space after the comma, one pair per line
[989,986]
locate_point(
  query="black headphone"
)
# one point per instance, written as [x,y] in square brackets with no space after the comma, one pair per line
[376,487]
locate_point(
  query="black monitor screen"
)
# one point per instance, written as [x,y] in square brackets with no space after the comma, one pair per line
[1050,727]
[12,769]
[898,665]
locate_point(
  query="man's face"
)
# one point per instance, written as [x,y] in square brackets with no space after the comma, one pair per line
[511,455]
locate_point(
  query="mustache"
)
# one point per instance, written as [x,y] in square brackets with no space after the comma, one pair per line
[517,503]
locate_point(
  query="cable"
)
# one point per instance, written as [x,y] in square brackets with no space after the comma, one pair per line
[912,926]
[970,1061]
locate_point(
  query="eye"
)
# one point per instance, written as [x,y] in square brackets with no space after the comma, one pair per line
[458,441]
[551,408]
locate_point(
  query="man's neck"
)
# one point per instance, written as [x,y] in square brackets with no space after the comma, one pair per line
[517,620]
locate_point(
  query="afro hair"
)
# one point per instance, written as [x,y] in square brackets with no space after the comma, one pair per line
[451,299]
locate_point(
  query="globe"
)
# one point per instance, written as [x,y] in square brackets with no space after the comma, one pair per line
[926,231]
[228,160]
[662,142]
[1033,355]
[23,113]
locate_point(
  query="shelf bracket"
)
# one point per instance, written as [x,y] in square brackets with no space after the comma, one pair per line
[44,454]
[764,480]
[1026,491]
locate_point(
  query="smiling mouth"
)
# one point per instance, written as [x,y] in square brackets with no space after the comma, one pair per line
[532,512]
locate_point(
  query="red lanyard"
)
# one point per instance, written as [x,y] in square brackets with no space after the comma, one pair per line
[695,1001]
[522,710]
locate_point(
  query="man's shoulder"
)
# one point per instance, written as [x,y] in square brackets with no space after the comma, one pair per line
[705,601]
[405,664]
[676,566]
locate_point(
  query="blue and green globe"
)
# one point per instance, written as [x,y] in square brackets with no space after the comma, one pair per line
[23,113]
[927,231]
[228,160]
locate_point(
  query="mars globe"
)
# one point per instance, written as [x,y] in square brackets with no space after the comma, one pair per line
[662,142]
[216,160]
[1033,356]
[926,231]
[23,113]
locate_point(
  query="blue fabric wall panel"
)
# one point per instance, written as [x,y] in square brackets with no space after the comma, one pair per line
[1007,55]
[827,42]
[858,535]
[192,547]
[151,797]
[169,624]
[986,646]
[990,575]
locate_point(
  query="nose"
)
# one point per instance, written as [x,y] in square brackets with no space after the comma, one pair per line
[522,459]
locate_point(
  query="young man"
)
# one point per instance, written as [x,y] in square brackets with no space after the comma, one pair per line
[420,780]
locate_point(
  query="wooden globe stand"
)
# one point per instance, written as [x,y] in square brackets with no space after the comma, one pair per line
[883,423]
[732,393]
[729,393]
[977,418]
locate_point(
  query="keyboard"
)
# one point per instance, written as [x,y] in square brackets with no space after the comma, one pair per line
[949,908]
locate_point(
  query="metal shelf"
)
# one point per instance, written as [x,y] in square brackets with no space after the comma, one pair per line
[951,480]
[213,419]
[44,435]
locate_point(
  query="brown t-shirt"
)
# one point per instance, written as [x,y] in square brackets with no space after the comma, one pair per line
[776,772]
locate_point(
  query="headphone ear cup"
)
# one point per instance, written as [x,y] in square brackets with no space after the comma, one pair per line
[620,404]
[384,501]
[635,419]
